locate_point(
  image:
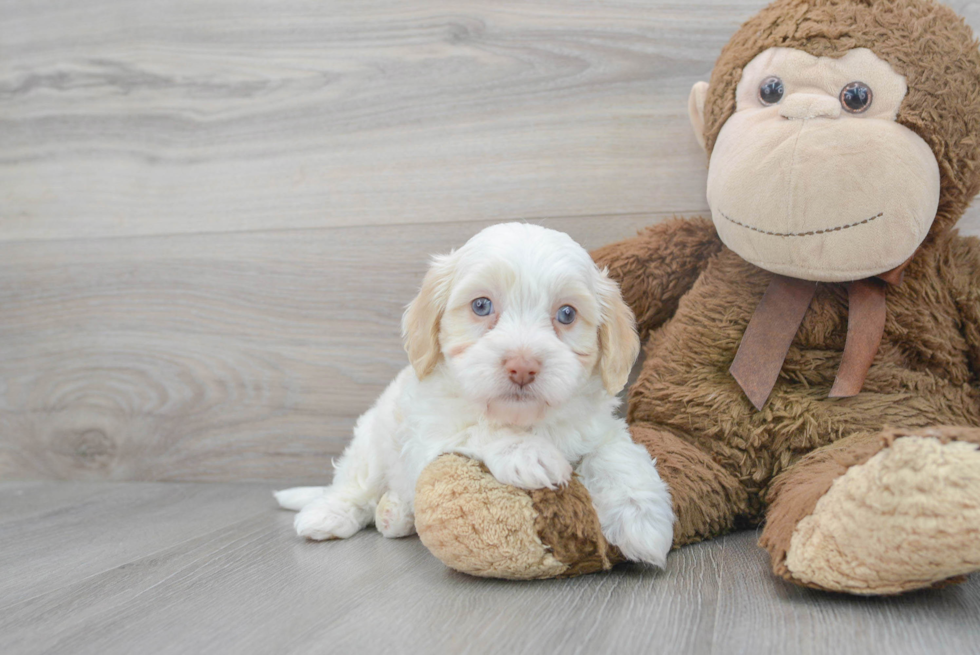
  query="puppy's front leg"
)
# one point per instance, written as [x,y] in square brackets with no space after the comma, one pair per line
[525,461]
[633,503]
[395,514]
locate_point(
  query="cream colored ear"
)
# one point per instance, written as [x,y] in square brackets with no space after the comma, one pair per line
[618,342]
[695,109]
[420,323]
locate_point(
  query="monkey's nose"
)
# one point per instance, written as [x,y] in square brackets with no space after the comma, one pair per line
[521,370]
[801,106]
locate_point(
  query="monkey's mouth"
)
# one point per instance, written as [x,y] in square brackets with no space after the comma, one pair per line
[810,233]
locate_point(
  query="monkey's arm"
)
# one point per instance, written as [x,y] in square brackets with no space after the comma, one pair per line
[963,274]
[659,265]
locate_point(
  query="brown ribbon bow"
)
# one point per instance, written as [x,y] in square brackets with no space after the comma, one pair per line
[778,317]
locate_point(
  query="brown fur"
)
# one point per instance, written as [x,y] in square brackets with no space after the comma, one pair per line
[707,503]
[568,525]
[654,298]
[922,374]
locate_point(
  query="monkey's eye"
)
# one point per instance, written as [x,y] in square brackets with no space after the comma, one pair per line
[565,315]
[771,91]
[482,306]
[855,97]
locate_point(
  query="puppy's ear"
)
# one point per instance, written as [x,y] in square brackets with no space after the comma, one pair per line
[618,342]
[420,323]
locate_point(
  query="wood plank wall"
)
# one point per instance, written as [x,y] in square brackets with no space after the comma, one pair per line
[212,213]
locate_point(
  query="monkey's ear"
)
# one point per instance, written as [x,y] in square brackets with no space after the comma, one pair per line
[695,109]
[420,323]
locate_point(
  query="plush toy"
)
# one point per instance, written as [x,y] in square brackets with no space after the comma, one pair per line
[813,351]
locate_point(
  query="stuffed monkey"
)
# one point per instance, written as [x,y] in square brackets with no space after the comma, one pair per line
[813,350]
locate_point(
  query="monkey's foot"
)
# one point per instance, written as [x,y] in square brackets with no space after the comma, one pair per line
[907,518]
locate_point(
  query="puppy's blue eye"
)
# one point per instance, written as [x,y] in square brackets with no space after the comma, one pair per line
[565,315]
[482,306]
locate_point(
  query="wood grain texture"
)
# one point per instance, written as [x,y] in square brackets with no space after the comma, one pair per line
[181,568]
[209,357]
[212,213]
[125,117]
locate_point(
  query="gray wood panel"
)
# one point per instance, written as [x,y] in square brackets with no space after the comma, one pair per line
[127,117]
[124,117]
[228,356]
[212,213]
[183,568]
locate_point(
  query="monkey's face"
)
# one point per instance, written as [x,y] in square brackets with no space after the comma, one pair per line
[811,176]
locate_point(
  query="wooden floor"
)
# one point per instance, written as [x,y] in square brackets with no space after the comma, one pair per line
[215,568]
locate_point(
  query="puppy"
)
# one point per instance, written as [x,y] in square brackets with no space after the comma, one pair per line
[518,346]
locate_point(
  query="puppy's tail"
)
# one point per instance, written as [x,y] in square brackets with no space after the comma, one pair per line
[298,497]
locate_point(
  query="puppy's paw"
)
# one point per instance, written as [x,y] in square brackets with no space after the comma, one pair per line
[298,497]
[393,517]
[328,518]
[530,466]
[643,531]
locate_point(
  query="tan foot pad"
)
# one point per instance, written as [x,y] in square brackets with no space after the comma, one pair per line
[907,518]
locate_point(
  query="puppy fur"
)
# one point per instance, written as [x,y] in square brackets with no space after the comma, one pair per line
[531,396]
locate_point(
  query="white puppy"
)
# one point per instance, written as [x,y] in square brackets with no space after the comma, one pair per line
[519,345]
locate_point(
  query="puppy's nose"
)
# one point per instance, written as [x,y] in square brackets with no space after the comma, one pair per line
[521,369]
